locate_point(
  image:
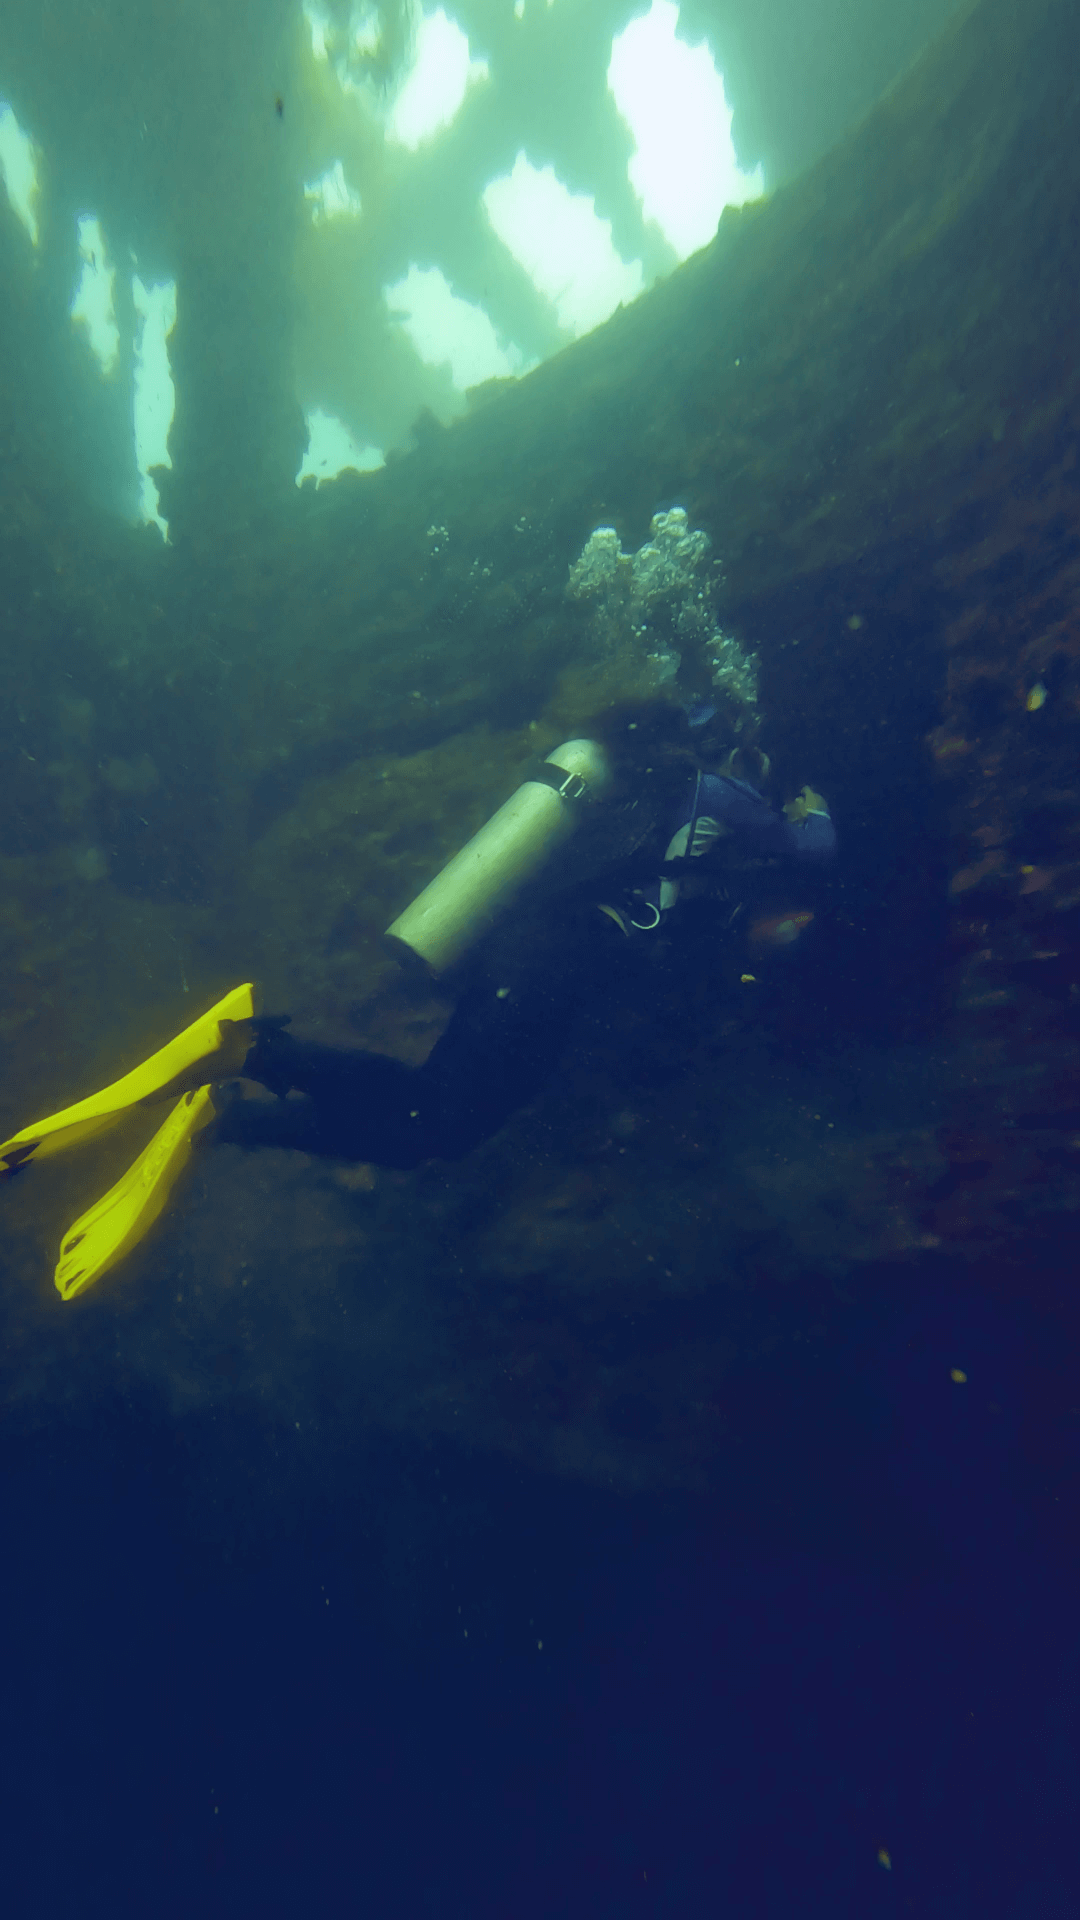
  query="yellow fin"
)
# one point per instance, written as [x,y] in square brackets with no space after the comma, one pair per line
[117,1222]
[210,1049]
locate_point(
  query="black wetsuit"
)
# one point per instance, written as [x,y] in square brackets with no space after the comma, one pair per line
[517,1009]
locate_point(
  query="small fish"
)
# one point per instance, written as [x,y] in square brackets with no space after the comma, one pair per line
[779,929]
[1037,697]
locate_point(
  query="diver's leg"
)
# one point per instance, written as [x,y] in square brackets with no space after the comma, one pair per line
[350,1105]
[356,1105]
[503,1042]
[492,1059]
[500,1046]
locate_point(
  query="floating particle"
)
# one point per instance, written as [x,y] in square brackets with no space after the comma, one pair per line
[884,1859]
[958,1376]
[745,977]
[1037,697]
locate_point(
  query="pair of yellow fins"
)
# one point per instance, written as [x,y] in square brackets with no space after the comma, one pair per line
[212,1048]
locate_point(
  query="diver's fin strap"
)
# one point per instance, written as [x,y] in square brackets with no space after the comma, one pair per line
[569,786]
[117,1222]
[214,1047]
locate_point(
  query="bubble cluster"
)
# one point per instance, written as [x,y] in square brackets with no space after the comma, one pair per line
[600,565]
[672,558]
[659,599]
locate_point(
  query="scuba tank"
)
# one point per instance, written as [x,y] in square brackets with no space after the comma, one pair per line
[463,901]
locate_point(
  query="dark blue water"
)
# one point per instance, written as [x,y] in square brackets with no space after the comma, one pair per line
[861,1637]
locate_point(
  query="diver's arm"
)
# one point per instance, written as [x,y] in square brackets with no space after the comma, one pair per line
[803,832]
[720,812]
[811,840]
[808,828]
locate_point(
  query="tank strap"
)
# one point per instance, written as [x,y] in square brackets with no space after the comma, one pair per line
[569,786]
[680,864]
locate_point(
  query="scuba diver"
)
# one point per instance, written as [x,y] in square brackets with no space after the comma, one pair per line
[528,944]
